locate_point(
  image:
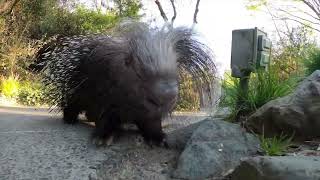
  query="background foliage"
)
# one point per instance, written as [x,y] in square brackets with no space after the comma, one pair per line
[30,23]
[293,57]
[26,24]
[295,54]
[189,99]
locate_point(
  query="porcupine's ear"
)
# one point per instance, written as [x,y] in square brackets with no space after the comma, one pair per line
[195,58]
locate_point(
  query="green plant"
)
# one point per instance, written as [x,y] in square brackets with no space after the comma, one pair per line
[312,63]
[231,93]
[263,87]
[266,86]
[32,94]
[9,87]
[275,146]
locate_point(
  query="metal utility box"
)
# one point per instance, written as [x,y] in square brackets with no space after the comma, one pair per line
[250,50]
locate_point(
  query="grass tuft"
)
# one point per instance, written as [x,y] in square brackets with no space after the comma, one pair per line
[263,87]
[275,146]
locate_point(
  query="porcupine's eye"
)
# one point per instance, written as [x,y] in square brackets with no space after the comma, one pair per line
[137,67]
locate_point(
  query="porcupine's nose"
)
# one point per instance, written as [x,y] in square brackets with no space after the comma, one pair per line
[167,92]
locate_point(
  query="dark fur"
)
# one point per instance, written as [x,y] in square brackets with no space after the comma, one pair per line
[131,77]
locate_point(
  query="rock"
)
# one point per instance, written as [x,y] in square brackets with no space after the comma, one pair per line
[309,152]
[296,113]
[278,168]
[178,139]
[222,112]
[214,149]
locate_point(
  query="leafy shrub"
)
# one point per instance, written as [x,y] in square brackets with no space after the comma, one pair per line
[2,25]
[312,63]
[9,87]
[294,48]
[188,96]
[128,8]
[32,94]
[15,54]
[94,21]
[80,21]
[53,19]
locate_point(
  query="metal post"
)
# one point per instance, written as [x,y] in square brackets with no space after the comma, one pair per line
[244,85]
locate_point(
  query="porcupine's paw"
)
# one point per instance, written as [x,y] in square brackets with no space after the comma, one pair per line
[70,115]
[159,140]
[106,141]
[103,139]
[70,120]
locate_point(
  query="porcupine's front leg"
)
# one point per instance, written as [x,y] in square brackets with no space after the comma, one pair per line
[152,133]
[70,114]
[93,113]
[107,125]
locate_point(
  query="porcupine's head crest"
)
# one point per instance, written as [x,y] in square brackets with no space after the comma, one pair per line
[154,60]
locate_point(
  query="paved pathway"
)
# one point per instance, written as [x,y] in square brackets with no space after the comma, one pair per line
[37,145]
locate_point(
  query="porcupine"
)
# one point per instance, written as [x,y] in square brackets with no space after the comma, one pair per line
[131,76]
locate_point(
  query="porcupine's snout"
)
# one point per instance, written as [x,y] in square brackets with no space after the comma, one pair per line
[166,93]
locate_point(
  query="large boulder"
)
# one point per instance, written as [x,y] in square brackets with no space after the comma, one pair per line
[276,168]
[178,139]
[298,112]
[214,149]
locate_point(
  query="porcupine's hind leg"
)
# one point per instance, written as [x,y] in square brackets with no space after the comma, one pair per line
[107,126]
